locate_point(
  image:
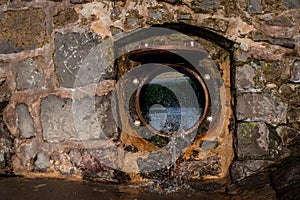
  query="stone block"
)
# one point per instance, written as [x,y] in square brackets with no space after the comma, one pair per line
[79,120]
[291,4]
[197,169]
[205,6]
[242,169]
[263,107]
[244,77]
[30,73]
[25,122]
[289,136]
[71,49]
[158,15]
[23,29]
[42,161]
[98,164]
[65,17]
[133,20]
[255,6]
[252,141]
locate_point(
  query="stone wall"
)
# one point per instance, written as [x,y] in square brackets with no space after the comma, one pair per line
[44,43]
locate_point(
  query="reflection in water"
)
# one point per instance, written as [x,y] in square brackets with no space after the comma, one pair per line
[166,102]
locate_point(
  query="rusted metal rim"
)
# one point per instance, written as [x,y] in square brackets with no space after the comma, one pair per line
[153,75]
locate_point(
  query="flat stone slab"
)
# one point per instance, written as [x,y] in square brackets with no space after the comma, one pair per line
[78,120]
[261,107]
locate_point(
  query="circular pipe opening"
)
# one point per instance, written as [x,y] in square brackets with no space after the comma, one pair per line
[158,106]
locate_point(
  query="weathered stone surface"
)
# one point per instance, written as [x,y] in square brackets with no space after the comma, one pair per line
[30,73]
[276,72]
[65,17]
[286,176]
[4,2]
[62,163]
[289,136]
[256,183]
[285,42]
[98,164]
[70,51]
[158,15]
[255,6]
[242,169]
[281,20]
[85,119]
[25,155]
[291,4]
[252,140]
[133,20]
[22,30]
[25,122]
[5,93]
[6,140]
[290,93]
[261,107]
[6,145]
[42,161]
[219,25]
[295,72]
[245,77]
[209,166]
[205,6]
[115,13]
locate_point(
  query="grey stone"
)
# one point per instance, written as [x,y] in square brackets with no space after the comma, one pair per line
[244,77]
[23,29]
[215,24]
[255,6]
[25,122]
[295,72]
[289,136]
[71,49]
[30,73]
[205,6]
[207,145]
[42,161]
[281,20]
[133,20]
[242,169]
[253,140]
[158,15]
[291,4]
[85,119]
[27,152]
[98,164]
[285,42]
[208,166]
[261,106]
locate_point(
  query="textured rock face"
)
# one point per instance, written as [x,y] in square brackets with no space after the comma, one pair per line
[261,107]
[22,30]
[70,51]
[53,121]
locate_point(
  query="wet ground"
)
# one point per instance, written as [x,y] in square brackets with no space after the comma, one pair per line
[24,188]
